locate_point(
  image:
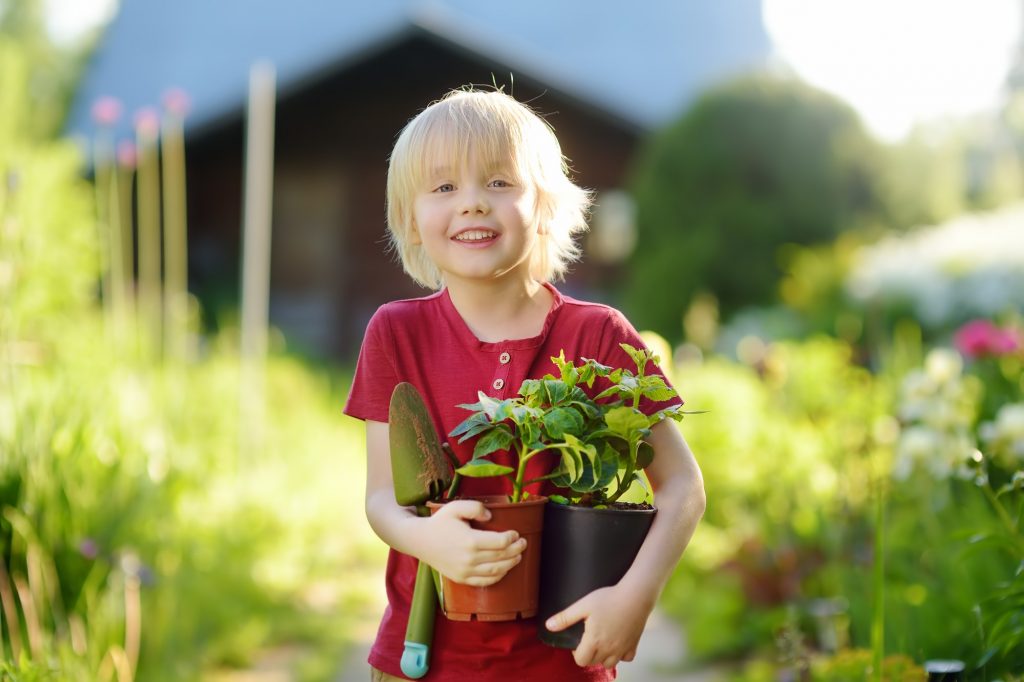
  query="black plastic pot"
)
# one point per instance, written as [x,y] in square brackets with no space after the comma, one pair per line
[584,549]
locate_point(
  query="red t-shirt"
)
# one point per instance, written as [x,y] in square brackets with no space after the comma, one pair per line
[426,342]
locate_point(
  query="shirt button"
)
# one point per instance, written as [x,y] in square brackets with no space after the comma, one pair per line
[504,358]
[498,384]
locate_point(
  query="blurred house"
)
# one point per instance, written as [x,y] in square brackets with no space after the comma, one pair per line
[351,74]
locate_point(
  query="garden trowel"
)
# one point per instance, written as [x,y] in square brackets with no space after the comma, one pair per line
[420,471]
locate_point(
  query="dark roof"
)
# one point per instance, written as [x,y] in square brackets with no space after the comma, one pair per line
[640,62]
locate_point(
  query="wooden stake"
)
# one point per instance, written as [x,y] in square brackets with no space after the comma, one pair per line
[259,185]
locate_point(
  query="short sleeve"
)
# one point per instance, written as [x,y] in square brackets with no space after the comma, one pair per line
[618,330]
[375,377]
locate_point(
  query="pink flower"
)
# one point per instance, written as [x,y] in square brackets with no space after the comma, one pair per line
[177,102]
[88,548]
[106,111]
[147,122]
[982,338]
[126,154]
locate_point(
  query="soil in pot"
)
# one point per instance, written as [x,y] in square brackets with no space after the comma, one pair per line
[584,549]
[515,595]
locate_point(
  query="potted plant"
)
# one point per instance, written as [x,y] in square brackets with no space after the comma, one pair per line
[547,415]
[592,537]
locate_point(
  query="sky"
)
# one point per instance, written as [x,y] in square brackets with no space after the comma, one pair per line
[898,62]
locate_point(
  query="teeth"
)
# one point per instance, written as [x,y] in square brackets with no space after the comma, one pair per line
[475,235]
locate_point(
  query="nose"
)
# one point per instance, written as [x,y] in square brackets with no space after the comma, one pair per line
[474,201]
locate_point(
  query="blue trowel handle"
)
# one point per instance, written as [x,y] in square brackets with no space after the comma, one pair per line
[419,633]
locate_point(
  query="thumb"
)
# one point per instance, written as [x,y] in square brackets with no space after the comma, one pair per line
[573,614]
[468,510]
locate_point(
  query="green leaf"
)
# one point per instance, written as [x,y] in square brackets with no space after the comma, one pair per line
[613,390]
[481,468]
[608,467]
[563,420]
[569,374]
[572,461]
[489,405]
[598,368]
[626,421]
[473,425]
[644,455]
[558,499]
[654,388]
[587,374]
[498,439]
[675,412]
[505,410]
[556,391]
[640,355]
[529,388]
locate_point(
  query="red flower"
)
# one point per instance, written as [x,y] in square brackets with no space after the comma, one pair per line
[106,111]
[982,338]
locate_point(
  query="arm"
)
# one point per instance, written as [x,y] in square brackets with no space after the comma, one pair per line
[444,540]
[615,616]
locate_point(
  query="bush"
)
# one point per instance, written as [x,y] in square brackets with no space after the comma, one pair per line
[754,164]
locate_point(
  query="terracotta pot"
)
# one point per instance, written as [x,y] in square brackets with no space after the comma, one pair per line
[584,549]
[515,595]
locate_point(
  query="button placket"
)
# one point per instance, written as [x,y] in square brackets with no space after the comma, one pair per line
[500,381]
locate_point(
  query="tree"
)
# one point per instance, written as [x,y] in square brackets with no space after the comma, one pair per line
[755,164]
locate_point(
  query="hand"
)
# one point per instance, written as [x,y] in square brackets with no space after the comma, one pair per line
[614,618]
[464,554]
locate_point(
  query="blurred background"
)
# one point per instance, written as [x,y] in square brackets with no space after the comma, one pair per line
[815,211]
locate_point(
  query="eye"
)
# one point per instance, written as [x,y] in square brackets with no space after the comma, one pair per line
[446,187]
[500,183]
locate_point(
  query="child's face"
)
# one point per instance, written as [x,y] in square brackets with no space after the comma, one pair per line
[476,222]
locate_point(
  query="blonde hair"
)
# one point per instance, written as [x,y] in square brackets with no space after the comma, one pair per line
[503,133]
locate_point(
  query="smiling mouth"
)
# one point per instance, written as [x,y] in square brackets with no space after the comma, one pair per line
[475,236]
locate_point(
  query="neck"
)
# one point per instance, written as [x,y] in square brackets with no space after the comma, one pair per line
[502,310]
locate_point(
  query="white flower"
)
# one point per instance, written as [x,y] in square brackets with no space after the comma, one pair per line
[1005,436]
[1010,421]
[943,365]
[916,444]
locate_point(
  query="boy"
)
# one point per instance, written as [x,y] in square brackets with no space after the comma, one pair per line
[481,209]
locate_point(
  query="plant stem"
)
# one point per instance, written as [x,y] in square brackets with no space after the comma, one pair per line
[1011,528]
[878,618]
[517,484]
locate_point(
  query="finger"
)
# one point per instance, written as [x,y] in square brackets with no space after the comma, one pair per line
[488,574]
[467,510]
[584,653]
[490,540]
[628,658]
[490,555]
[576,612]
[610,662]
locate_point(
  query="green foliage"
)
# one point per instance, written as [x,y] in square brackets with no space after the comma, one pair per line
[131,528]
[755,164]
[548,414]
[786,451]
[796,451]
[600,440]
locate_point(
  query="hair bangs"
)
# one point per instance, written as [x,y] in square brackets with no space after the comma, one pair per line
[503,136]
